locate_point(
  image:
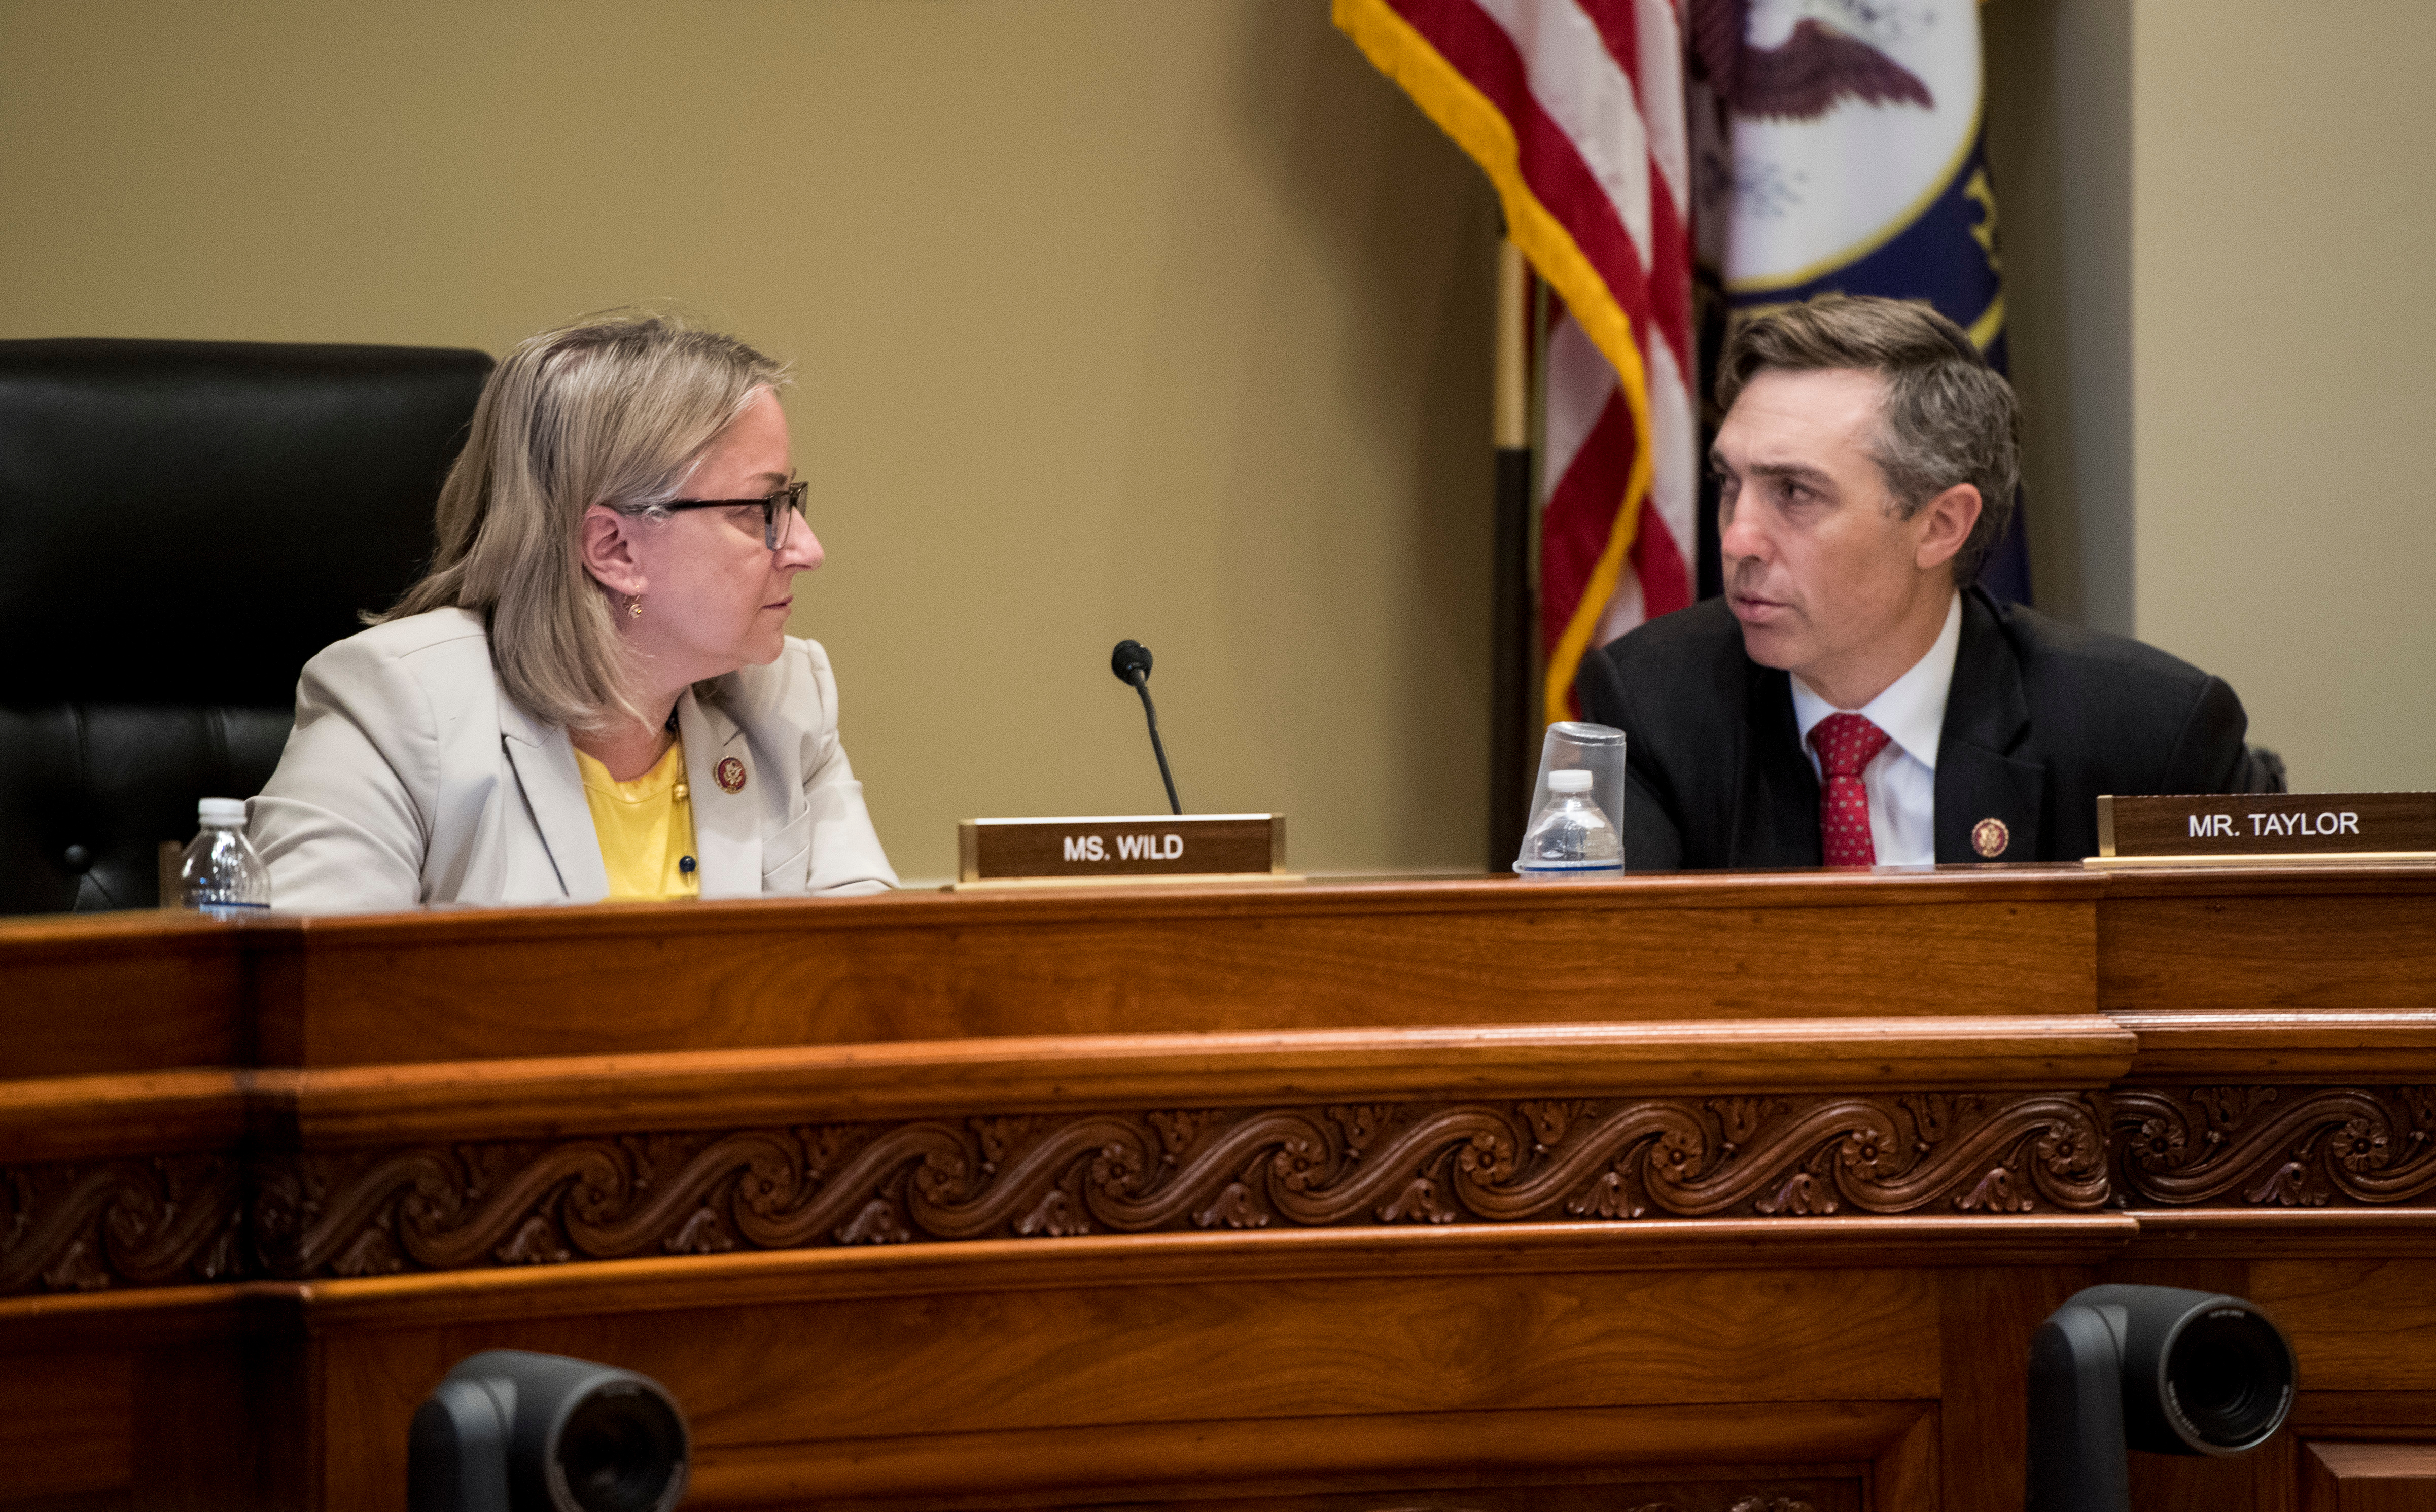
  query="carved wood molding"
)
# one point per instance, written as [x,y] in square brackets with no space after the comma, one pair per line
[144,1222]
[2275,1146]
[154,1220]
[444,1207]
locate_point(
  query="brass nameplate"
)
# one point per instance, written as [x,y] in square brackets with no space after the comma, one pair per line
[2209,825]
[1164,847]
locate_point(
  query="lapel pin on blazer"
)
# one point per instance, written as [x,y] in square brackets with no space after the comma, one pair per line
[730,775]
[1989,837]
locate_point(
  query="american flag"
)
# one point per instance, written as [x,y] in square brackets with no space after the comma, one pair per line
[1576,111]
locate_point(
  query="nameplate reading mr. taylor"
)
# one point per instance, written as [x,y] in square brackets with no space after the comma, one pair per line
[2283,823]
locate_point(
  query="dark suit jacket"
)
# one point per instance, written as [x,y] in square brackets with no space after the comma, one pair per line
[2042,718]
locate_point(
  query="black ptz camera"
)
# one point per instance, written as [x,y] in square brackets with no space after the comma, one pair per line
[512,1432]
[2148,1367]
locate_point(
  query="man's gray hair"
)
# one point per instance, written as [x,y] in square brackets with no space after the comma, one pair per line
[1947,417]
[615,409]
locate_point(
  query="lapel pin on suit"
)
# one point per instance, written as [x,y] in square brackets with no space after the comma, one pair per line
[1989,837]
[729,773]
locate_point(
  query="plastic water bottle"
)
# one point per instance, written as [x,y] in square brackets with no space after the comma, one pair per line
[1571,836]
[221,874]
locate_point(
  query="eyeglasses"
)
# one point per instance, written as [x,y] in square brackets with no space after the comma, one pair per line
[774,509]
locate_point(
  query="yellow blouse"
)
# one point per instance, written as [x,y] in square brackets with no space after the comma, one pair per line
[646,828]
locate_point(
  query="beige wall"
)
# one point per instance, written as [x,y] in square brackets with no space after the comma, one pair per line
[1170,319]
[2059,148]
[2284,222]
[1114,318]
[2216,216]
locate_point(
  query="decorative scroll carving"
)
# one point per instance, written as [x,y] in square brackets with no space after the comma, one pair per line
[2276,1146]
[547,1202]
[138,1221]
[181,1219]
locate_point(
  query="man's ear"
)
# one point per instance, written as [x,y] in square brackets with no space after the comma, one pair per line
[608,550]
[1944,523]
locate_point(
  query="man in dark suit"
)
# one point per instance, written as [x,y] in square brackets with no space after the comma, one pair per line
[1850,701]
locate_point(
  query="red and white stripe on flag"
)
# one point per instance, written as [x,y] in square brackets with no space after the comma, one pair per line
[1574,108]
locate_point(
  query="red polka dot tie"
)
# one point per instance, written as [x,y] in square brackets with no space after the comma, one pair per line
[1846,743]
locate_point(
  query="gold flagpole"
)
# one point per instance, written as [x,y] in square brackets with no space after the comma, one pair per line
[1513,756]
[1512,403]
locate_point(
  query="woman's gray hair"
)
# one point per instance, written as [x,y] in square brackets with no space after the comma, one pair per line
[1946,417]
[615,409]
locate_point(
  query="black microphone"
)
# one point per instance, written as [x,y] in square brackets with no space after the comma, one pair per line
[1131,663]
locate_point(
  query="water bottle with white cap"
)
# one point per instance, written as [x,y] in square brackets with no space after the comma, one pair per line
[221,874]
[1570,834]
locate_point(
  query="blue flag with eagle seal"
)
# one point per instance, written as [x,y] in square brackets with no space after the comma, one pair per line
[1838,144]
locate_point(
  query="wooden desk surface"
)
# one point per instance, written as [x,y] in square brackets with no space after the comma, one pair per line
[1199,1162]
[155,991]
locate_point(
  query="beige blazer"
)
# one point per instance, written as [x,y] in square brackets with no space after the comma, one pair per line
[411,778]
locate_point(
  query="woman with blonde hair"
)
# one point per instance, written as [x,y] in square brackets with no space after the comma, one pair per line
[592,694]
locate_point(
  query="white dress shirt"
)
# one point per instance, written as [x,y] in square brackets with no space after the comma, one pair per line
[1901,780]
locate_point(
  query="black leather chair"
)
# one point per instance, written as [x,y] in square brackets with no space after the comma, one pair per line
[182,525]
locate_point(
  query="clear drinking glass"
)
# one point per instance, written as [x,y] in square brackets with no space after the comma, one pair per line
[1564,840]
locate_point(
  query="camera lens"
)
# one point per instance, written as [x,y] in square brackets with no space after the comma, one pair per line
[622,1450]
[2229,1377]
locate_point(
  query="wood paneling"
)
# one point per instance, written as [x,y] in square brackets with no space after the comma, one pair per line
[1551,1298]
[92,1117]
[2356,1325]
[67,1423]
[2268,1047]
[2265,1480]
[2368,1477]
[146,1317]
[2275,1231]
[1344,1451]
[1988,1317]
[633,979]
[1911,1475]
[56,1118]
[813,1374]
[1737,1493]
[924,968]
[1036,1073]
[2295,941]
[2379,1415]
[159,991]
[785,1277]
[135,991]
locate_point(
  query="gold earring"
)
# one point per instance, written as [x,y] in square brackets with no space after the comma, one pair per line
[634,607]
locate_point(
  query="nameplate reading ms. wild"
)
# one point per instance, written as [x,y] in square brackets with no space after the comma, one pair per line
[1149,847]
[2229,826]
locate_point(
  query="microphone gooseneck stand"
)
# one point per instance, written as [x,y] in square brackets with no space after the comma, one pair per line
[1131,663]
